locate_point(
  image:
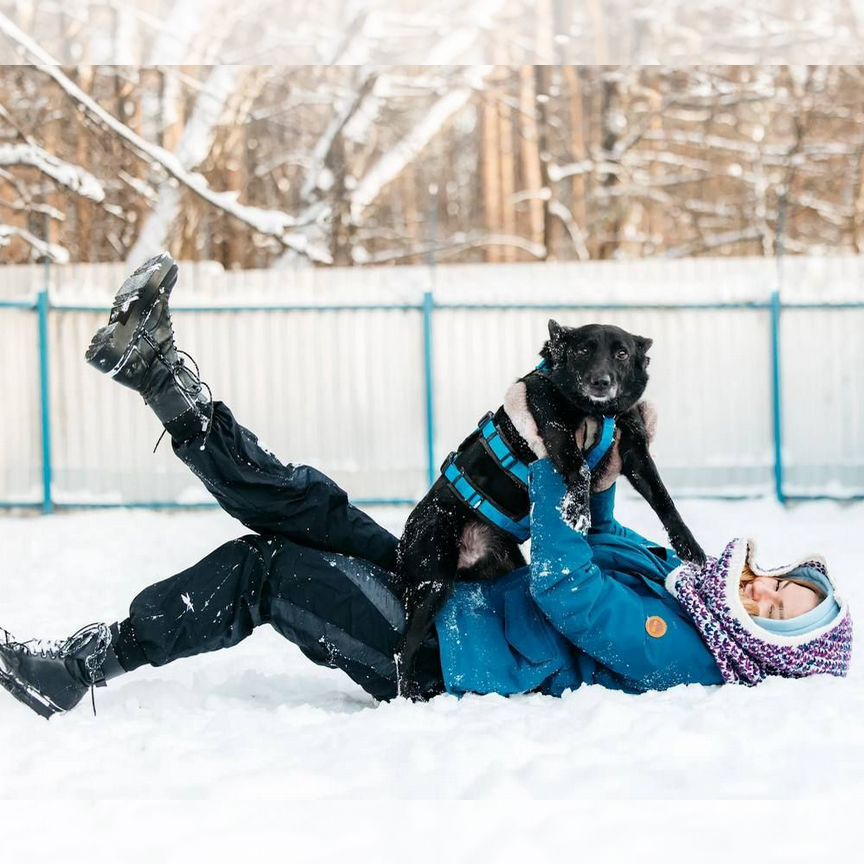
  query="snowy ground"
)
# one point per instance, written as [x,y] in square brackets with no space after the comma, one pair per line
[260,721]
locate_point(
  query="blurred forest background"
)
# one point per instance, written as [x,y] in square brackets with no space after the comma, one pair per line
[260,166]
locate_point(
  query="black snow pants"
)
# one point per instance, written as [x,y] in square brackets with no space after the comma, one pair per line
[317,569]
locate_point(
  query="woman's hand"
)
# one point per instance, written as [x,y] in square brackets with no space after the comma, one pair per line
[602,481]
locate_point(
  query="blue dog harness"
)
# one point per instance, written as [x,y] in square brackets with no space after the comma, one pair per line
[490,437]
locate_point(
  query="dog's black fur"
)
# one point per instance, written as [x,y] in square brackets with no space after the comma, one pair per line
[593,371]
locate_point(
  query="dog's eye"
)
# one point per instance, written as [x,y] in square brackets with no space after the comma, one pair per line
[621,354]
[583,351]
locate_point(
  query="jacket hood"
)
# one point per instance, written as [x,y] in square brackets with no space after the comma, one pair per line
[749,649]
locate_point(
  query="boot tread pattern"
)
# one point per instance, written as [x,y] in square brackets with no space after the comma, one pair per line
[110,347]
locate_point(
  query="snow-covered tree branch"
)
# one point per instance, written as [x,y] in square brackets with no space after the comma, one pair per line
[72,177]
[50,250]
[195,144]
[273,223]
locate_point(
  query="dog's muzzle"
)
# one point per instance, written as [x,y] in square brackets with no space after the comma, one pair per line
[600,394]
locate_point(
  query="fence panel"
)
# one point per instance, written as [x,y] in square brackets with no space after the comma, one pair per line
[823,401]
[338,378]
[20,443]
[315,386]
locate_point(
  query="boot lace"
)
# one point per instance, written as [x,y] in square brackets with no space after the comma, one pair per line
[194,373]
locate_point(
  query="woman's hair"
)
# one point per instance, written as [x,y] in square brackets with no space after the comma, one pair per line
[747,576]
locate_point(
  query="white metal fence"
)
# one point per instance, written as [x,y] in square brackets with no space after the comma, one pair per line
[375,374]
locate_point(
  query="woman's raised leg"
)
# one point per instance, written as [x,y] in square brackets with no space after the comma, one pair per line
[297,502]
[137,349]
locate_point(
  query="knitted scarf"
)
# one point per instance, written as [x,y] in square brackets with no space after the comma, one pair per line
[746,652]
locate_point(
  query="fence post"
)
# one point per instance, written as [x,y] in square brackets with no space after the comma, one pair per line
[777,395]
[429,380]
[43,305]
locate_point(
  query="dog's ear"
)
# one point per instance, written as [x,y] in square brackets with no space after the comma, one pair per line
[553,349]
[643,344]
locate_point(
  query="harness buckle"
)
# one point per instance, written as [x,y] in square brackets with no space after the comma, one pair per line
[489,415]
[448,461]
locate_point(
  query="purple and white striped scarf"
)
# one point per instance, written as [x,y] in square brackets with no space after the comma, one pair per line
[745,652]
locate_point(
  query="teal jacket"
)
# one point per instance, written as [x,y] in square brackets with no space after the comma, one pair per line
[583,611]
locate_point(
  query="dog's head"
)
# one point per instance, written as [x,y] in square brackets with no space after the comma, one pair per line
[598,366]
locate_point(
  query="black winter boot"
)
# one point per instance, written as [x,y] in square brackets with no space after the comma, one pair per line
[52,676]
[137,349]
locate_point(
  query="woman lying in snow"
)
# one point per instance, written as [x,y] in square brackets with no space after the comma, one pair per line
[607,607]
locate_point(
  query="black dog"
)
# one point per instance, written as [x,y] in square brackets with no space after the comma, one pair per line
[468,525]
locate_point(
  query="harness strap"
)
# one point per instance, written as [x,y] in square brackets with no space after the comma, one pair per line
[604,443]
[501,450]
[466,490]
[480,502]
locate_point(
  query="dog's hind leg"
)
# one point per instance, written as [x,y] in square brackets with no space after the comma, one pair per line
[428,599]
[429,556]
[638,466]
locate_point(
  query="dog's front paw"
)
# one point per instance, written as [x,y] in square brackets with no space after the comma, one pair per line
[685,545]
[576,511]
[575,508]
[580,478]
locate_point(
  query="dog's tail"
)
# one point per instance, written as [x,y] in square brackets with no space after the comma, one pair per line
[485,553]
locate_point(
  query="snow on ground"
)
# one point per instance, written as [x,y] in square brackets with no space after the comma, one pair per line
[260,721]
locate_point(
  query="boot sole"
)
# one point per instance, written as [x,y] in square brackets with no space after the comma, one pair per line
[112,344]
[28,696]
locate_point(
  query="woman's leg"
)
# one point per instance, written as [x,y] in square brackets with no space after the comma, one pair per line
[213,604]
[137,349]
[341,611]
[344,612]
[294,501]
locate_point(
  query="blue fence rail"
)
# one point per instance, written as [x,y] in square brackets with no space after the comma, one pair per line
[44,308]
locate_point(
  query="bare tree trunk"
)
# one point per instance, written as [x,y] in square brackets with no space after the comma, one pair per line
[858,217]
[341,237]
[542,86]
[656,215]
[507,179]
[610,105]
[531,154]
[83,207]
[579,149]
[491,164]
[595,223]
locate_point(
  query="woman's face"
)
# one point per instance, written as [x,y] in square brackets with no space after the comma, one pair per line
[779,598]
